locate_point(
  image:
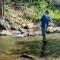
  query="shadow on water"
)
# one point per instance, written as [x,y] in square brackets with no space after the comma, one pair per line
[44,49]
[33,47]
[52,48]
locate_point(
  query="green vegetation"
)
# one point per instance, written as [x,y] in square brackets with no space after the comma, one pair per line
[31,10]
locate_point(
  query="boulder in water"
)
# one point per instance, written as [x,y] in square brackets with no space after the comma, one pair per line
[31,33]
[30,25]
[51,29]
[38,32]
[6,32]
[15,32]
[22,35]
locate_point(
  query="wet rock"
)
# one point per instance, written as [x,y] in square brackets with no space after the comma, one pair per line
[57,29]
[30,25]
[31,33]
[2,27]
[57,23]
[4,24]
[24,24]
[29,57]
[5,32]
[15,26]
[51,29]
[22,35]
[23,30]
[38,32]
[15,32]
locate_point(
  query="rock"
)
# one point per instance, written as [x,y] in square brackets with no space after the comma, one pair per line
[24,24]
[15,26]
[2,27]
[38,32]
[36,25]
[3,34]
[23,30]
[2,21]
[57,23]
[29,57]
[6,32]
[15,32]
[51,29]
[31,30]
[58,29]
[30,25]
[4,24]
[22,35]
[31,33]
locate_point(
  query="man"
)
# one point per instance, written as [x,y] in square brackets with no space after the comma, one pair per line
[45,22]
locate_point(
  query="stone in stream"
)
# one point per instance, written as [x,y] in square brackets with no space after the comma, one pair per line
[23,30]
[4,23]
[51,29]
[57,23]
[5,32]
[22,35]
[27,57]
[38,33]
[31,33]
[15,32]
[15,26]
[30,25]
[58,29]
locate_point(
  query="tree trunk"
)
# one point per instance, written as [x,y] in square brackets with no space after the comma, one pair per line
[3,1]
[0,8]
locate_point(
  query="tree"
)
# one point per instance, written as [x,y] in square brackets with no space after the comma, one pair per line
[0,8]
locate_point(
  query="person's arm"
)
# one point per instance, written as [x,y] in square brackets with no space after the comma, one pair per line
[50,18]
[42,18]
[51,22]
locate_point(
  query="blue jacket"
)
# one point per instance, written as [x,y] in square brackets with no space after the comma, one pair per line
[45,21]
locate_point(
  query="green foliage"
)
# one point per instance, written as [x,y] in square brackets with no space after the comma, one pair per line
[34,9]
